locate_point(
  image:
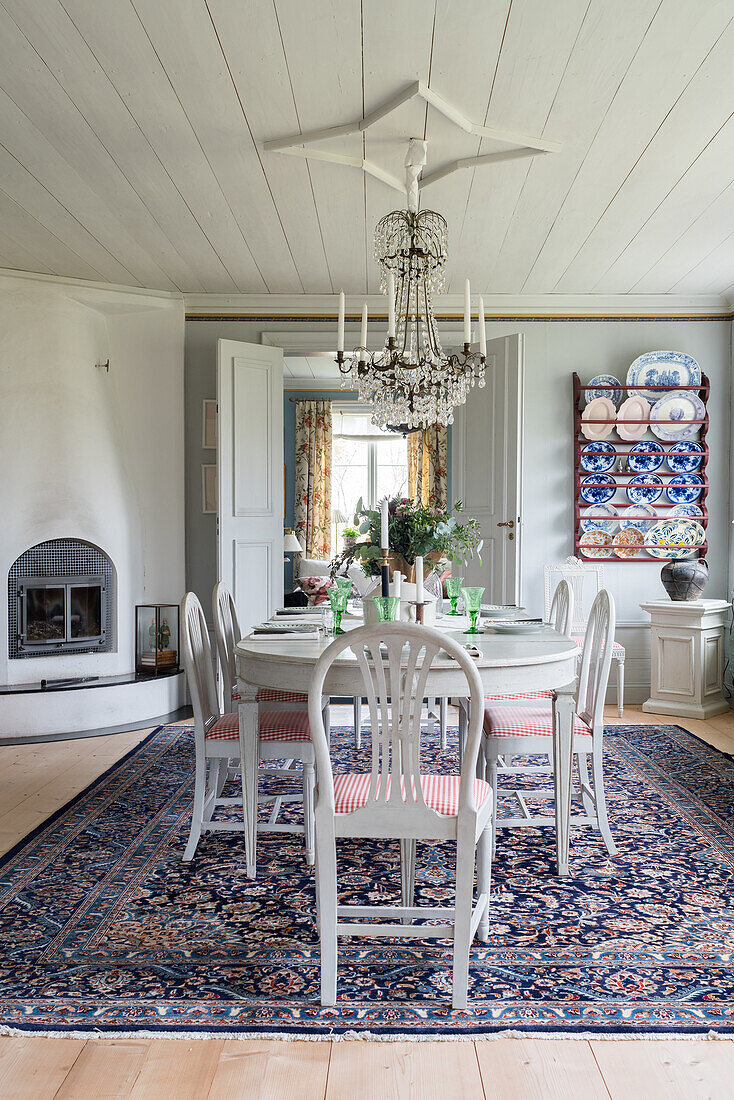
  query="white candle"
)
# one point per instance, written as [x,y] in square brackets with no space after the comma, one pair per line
[419,580]
[391,304]
[482,331]
[340,328]
[363,334]
[384,526]
[467,312]
[397,584]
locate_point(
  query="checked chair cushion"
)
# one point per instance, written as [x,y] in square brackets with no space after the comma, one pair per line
[441,792]
[526,722]
[275,725]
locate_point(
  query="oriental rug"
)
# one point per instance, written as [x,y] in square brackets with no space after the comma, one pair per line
[104,929]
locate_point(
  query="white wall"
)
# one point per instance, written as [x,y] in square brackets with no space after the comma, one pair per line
[92,455]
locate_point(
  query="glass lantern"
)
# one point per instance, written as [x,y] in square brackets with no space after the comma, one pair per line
[156,638]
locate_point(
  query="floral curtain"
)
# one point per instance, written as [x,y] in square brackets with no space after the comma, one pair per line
[312,513]
[427,465]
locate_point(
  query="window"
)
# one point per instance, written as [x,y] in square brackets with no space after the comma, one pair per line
[365,462]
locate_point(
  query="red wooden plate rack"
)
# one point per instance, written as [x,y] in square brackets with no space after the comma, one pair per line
[623,448]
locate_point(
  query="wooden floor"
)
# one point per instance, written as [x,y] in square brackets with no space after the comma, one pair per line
[35,780]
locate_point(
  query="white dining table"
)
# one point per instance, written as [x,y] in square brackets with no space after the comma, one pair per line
[506,663]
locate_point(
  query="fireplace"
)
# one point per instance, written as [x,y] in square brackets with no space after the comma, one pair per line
[61,599]
[59,613]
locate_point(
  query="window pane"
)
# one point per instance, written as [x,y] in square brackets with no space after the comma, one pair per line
[348,483]
[392,468]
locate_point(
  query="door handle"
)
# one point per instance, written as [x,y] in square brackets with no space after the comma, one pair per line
[508,523]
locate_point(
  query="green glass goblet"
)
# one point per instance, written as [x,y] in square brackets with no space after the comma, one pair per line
[338,597]
[387,608]
[453,591]
[473,603]
[344,582]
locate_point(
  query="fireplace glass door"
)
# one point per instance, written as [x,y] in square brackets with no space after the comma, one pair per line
[61,613]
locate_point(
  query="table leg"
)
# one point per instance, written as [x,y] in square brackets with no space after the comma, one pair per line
[563,716]
[249,737]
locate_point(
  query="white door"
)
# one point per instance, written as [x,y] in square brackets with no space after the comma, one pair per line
[486,468]
[250,477]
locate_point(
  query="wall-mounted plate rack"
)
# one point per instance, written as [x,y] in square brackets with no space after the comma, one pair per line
[623,476]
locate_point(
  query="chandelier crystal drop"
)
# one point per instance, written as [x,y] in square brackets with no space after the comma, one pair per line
[411,381]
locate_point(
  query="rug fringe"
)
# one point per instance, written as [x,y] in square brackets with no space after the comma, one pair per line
[365,1036]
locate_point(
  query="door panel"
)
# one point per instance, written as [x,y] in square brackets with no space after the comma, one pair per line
[250,476]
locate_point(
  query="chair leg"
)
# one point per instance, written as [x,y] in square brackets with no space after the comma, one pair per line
[197,808]
[326,890]
[620,688]
[213,786]
[597,768]
[443,711]
[358,721]
[407,875]
[327,723]
[309,785]
[463,725]
[583,765]
[493,779]
[462,920]
[484,877]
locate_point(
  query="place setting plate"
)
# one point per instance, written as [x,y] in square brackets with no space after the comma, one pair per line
[669,416]
[515,628]
[662,368]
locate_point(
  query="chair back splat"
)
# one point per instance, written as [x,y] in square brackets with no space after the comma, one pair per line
[197,659]
[395,660]
[227,632]
[561,609]
[596,660]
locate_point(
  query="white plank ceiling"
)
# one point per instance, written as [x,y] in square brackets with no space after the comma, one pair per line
[131,136]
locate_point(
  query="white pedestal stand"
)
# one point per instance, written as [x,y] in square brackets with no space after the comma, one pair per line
[687,658]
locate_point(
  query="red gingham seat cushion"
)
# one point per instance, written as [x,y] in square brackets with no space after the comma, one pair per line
[270,695]
[275,725]
[526,722]
[441,792]
[518,695]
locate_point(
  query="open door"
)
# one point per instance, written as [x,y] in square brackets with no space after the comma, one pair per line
[486,468]
[250,477]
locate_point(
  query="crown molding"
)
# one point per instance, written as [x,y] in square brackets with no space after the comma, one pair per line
[497,307]
[108,298]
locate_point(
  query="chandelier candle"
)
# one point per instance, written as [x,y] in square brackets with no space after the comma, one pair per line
[363,334]
[467,312]
[340,329]
[482,331]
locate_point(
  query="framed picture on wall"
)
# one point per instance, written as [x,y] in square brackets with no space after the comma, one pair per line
[208,489]
[209,424]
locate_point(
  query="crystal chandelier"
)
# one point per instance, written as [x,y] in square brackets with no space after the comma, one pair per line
[411,381]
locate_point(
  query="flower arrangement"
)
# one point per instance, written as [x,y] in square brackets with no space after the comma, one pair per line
[350,536]
[415,530]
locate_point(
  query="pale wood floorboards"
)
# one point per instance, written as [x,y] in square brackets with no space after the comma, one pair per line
[35,780]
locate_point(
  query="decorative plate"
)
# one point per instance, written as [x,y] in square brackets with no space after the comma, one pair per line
[667,413]
[633,410]
[602,517]
[663,368]
[598,457]
[646,456]
[634,516]
[685,457]
[686,511]
[628,543]
[615,395]
[644,489]
[598,488]
[674,538]
[685,488]
[601,544]
[601,408]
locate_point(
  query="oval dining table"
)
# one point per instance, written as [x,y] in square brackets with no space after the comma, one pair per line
[506,664]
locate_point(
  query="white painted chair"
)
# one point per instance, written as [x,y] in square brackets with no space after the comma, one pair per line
[284,734]
[528,730]
[586,580]
[396,801]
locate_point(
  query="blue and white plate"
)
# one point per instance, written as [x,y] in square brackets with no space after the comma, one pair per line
[598,488]
[686,511]
[662,368]
[602,517]
[634,516]
[646,456]
[674,538]
[685,488]
[599,456]
[644,489]
[670,415]
[685,457]
[614,395]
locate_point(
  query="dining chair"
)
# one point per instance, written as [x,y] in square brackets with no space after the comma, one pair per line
[283,734]
[395,800]
[586,580]
[528,730]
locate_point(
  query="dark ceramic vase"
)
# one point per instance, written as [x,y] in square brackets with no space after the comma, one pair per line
[685,580]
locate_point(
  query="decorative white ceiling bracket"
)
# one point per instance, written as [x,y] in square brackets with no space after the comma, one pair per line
[524,145]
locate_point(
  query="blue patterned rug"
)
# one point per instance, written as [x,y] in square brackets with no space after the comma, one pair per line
[105,929]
